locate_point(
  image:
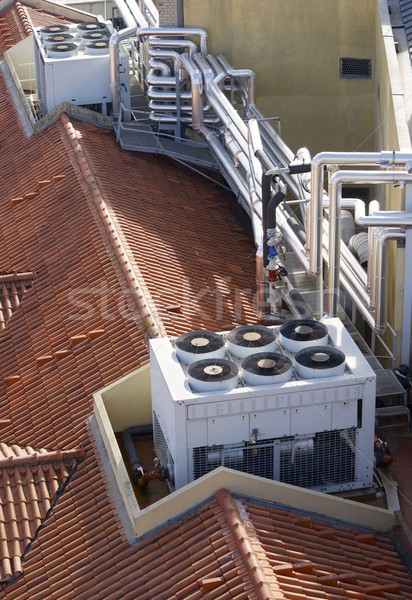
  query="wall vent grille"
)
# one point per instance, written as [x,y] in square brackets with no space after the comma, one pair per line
[360,68]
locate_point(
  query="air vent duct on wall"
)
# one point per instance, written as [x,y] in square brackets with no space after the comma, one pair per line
[248,339]
[196,345]
[266,368]
[299,334]
[213,375]
[320,361]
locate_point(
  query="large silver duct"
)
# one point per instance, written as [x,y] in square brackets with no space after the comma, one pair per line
[382,159]
[115,41]
[166,32]
[383,236]
[381,219]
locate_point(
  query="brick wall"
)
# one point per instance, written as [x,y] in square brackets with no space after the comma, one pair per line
[167,12]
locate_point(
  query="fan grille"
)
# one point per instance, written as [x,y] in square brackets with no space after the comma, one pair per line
[199,342]
[266,363]
[303,330]
[320,357]
[213,370]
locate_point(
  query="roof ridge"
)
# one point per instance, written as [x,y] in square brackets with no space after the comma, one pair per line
[39,457]
[135,281]
[24,18]
[246,543]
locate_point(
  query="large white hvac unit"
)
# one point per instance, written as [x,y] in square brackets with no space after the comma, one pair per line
[73,65]
[294,403]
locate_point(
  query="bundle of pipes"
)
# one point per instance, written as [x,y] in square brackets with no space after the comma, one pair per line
[245,162]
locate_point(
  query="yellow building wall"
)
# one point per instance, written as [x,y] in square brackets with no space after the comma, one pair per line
[294,48]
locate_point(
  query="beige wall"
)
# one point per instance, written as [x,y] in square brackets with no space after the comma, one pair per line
[128,401]
[297,65]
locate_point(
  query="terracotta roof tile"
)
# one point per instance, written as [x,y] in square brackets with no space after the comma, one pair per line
[91,314]
[31,484]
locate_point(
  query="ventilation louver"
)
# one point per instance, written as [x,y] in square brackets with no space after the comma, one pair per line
[247,339]
[301,333]
[320,361]
[360,68]
[196,345]
[212,375]
[265,368]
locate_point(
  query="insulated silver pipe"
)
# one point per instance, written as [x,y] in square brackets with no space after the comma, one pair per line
[172,43]
[115,40]
[157,65]
[383,237]
[126,15]
[240,74]
[167,32]
[384,219]
[382,159]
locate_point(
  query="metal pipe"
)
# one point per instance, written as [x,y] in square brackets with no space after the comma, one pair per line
[384,219]
[157,65]
[383,159]
[144,32]
[240,74]
[172,43]
[126,15]
[115,40]
[383,237]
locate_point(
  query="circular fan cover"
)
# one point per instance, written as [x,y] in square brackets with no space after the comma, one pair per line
[100,45]
[58,37]
[64,47]
[95,36]
[213,374]
[213,370]
[94,26]
[246,339]
[53,30]
[197,344]
[320,361]
[267,364]
[303,330]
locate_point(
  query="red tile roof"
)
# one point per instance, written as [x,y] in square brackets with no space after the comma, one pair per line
[123,246]
[31,485]
[12,289]
[236,548]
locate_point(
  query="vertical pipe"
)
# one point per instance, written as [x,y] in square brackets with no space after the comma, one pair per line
[383,237]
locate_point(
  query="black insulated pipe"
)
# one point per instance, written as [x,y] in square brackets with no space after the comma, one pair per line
[296,169]
[141,432]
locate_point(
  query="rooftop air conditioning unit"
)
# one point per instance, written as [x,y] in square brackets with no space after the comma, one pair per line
[294,403]
[72,68]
